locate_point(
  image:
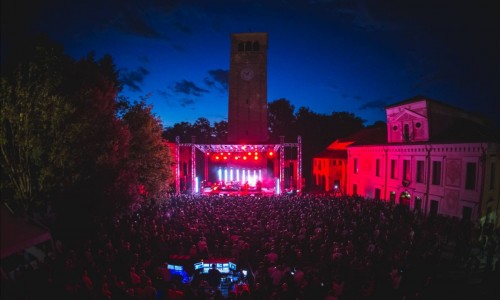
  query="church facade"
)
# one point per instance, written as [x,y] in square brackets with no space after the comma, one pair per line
[431,157]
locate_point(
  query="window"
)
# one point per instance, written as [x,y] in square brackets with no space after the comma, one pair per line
[355,166]
[392,197]
[406,133]
[248,46]
[436,173]
[377,167]
[470,176]
[406,169]
[393,169]
[420,171]
[354,189]
[492,176]
[377,194]
[256,46]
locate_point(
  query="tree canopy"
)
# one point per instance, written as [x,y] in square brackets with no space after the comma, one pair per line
[68,143]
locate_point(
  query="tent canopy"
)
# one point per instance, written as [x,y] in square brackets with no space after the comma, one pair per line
[18,234]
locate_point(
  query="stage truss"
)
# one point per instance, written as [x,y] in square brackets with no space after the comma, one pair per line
[239,148]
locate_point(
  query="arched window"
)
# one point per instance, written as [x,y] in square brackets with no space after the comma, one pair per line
[241,46]
[256,46]
[406,133]
[248,46]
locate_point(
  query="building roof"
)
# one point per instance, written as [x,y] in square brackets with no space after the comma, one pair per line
[333,154]
[369,136]
[466,131]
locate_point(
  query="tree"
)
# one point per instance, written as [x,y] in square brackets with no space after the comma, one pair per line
[60,138]
[33,121]
[149,159]
[183,130]
[204,133]
[96,139]
[281,120]
[220,132]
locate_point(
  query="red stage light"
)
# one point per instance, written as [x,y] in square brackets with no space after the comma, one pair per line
[270,153]
[217,157]
[225,157]
[256,157]
[244,158]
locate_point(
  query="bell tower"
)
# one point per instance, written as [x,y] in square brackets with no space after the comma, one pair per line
[247,112]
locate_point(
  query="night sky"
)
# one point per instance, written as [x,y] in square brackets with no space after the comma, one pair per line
[329,56]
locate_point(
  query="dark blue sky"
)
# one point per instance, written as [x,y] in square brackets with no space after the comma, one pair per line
[354,56]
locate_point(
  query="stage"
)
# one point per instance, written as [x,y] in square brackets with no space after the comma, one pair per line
[238,169]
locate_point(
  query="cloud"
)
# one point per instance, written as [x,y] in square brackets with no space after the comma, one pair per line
[188,88]
[133,21]
[184,102]
[133,79]
[376,104]
[218,79]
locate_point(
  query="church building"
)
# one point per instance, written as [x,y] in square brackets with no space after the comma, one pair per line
[431,157]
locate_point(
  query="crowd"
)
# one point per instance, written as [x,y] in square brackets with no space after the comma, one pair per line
[294,246]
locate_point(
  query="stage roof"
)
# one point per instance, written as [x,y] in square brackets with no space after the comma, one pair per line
[236,148]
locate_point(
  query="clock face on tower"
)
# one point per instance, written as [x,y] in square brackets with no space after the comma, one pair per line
[247,74]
